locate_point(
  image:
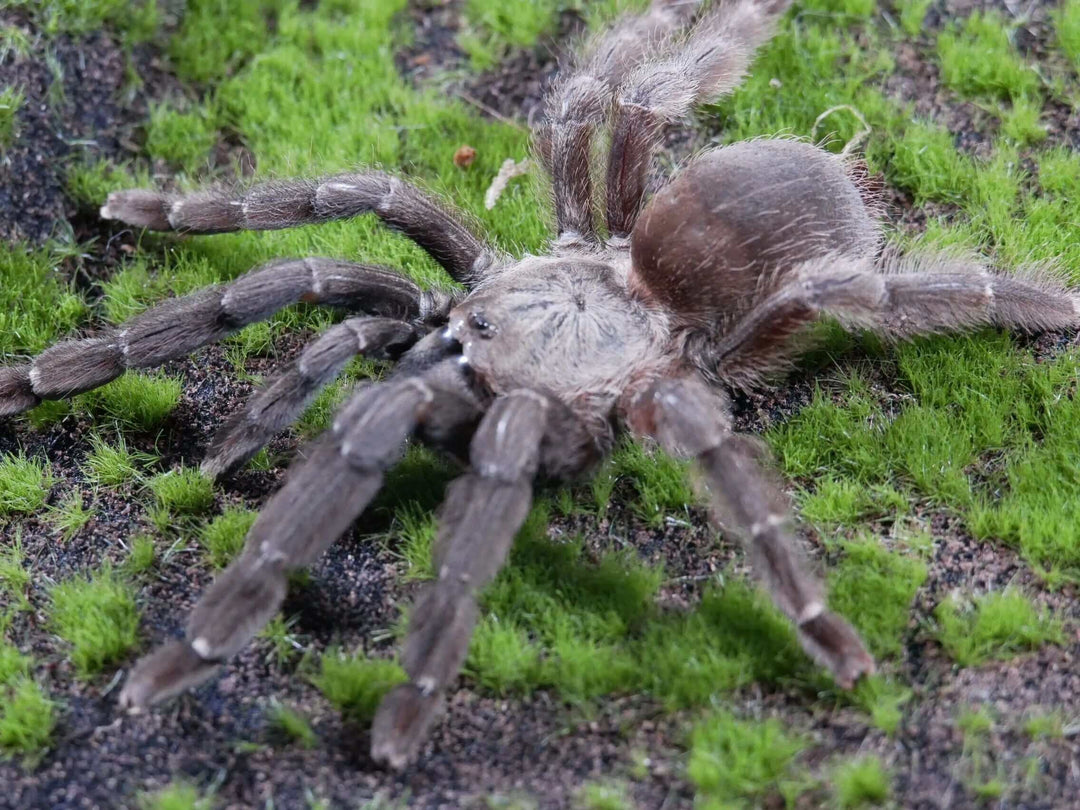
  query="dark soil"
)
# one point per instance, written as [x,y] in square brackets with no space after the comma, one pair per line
[485,749]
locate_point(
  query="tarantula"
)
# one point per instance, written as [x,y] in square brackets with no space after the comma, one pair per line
[637,319]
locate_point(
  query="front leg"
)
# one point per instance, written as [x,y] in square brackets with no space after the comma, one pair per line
[322,496]
[483,511]
[289,203]
[687,418]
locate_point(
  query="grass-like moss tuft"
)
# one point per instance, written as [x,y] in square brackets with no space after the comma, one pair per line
[223,537]
[874,587]
[355,684]
[994,626]
[977,59]
[140,401]
[177,796]
[733,761]
[36,307]
[24,484]
[11,99]
[183,491]
[27,715]
[861,782]
[113,465]
[97,617]
[291,725]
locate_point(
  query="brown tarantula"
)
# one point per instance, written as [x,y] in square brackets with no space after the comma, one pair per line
[636,319]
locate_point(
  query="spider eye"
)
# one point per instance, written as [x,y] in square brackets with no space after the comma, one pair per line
[481,324]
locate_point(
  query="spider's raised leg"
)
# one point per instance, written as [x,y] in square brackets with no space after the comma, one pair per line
[577,107]
[710,62]
[178,326]
[686,417]
[288,203]
[281,399]
[320,499]
[483,511]
[920,295]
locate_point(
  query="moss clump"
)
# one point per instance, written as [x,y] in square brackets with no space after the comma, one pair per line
[994,626]
[140,401]
[734,761]
[223,537]
[184,491]
[874,588]
[861,783]
[113,465]
[97,617]
[355,684]
[24,484]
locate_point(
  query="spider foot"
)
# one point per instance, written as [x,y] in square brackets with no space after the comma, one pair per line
[138,207]
[836,645]
[167,671]
[16,392]
[402,723]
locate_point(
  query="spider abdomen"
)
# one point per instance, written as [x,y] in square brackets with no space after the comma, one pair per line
[727,229]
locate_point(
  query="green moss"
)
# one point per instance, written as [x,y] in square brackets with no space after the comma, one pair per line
[975,724]
[292,725]
[216,37]
[912,14]
[356,684]
[141,401]
[585,628]
[874,587]
[1067,25]
[280,641]
[114,465]
[97,617]
[977,59]
[223,537]
[89,183]
[27,718]
[181,138]
[493,28]
[1048,725]
[137,21]
[994,626]
[24,484]
[142,554]
[14,577]
[662,483]
[414,538]
[861,782]
[1021,122]
[184,491]
[11,99]
[603,796]
[734,761]
[177,796]
[854,9]
[35,305]
[882,698]
[70,516]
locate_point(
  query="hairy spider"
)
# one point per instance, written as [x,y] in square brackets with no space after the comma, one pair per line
[637,319]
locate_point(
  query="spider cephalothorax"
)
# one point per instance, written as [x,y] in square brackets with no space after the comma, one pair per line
[635,321]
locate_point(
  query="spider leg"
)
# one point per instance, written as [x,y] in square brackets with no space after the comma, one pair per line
[288,203]
[481,515]
[709,62]
[914,296]
[178,326]
[577,107]
[320,499]
[686,417]
[281,399]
